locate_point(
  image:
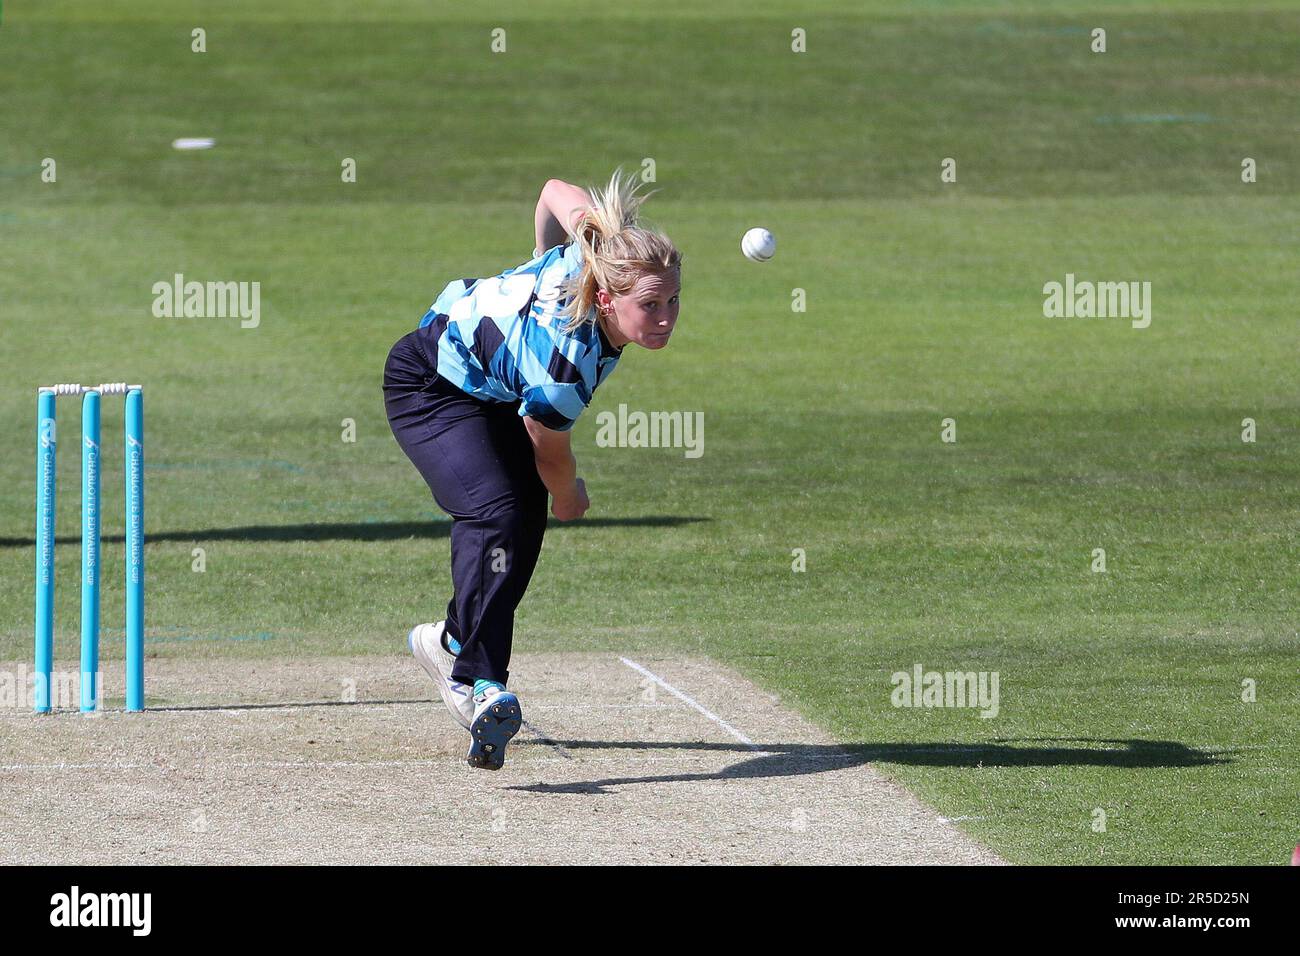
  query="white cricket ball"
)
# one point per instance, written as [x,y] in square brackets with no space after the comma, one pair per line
[758,244]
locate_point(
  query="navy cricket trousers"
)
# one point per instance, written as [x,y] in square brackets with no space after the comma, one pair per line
[478,461]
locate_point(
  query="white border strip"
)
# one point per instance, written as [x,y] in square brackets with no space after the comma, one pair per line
[691,703]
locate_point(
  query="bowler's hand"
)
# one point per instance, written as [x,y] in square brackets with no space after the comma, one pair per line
[572,506]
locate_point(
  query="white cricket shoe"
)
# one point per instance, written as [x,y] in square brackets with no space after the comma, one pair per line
[426,643]
[497,718]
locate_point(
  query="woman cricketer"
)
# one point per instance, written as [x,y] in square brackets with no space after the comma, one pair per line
[482,396]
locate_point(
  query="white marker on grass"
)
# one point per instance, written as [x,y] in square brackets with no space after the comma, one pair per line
[202,142]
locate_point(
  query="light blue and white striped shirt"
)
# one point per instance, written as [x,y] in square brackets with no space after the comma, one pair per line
[500,339]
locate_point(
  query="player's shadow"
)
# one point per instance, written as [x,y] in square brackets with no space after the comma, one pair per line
[788,760]
[352,531]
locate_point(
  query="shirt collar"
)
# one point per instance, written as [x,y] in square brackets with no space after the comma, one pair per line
[606,349]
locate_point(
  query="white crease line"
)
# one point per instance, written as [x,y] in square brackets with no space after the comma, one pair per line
[203,710]
[546,739]
[448,760]
[225,765]
[532,706]
[687,700]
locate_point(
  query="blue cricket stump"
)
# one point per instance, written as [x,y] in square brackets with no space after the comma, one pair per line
[91,540]
[133,457]
[45,488]
[89,551]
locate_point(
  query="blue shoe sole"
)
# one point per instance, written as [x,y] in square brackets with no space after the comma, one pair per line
[492,730]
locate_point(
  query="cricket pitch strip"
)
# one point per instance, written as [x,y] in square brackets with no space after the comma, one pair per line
[355,761]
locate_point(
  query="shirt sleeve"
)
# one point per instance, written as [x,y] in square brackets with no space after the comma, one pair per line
[556,405]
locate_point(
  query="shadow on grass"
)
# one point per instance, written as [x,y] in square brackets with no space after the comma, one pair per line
[787,760]
[352,531]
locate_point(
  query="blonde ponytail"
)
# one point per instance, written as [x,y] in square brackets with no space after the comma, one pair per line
[616,249]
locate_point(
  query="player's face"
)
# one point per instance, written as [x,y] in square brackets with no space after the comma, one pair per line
[647,314]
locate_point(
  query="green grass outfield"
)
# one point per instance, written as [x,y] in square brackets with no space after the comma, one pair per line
[821,428]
